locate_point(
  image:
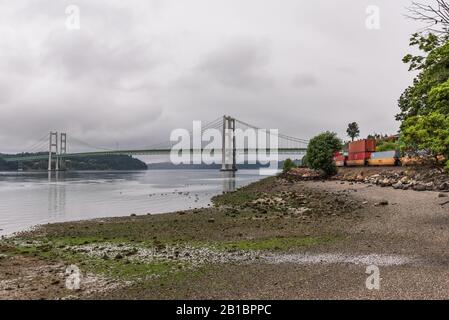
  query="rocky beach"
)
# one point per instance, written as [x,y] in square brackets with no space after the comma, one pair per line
[295,236]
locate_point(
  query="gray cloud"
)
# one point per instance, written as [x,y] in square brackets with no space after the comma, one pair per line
[82,56]
[138,69]
[304,80]
[240,64]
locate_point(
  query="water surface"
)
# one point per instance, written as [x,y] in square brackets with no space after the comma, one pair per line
[32,198]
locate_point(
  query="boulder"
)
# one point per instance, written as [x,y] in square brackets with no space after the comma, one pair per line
[398,185]
[443,186]
[430,186]
[385,182]
[405,180]
[419,187]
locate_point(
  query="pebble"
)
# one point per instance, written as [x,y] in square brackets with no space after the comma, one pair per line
[382,203]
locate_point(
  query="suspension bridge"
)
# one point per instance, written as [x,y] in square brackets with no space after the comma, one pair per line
[237,138]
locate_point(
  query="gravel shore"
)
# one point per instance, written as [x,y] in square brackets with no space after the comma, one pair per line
[275,239]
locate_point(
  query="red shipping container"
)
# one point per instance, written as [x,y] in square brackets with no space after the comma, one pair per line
[367,145]
[359,156]
[338,156]
[340,159]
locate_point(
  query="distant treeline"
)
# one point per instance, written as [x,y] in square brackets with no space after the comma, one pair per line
[245,166]
[117,162]
[106,162]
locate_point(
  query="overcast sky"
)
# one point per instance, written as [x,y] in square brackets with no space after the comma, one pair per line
[137,69]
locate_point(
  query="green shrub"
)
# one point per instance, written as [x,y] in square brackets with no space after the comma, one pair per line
[288,165]
[304,162]
[387,146]
[321,150]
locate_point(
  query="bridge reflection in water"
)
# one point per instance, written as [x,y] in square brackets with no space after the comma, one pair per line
[56,194]
[228,178]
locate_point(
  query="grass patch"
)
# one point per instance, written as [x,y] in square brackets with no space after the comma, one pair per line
[246,194]
[114,268]
[79,241]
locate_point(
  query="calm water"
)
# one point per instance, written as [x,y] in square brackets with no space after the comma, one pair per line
[28,199]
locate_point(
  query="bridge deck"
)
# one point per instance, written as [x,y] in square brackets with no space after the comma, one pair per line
[148,152]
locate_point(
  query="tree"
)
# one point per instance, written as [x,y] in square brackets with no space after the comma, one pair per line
[433,71]
[321,150]
[425,105]
[387,146]
[435,16]
[288,165]
[353,130]
[429,133]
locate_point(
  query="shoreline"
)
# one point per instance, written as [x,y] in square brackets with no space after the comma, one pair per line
[269,240]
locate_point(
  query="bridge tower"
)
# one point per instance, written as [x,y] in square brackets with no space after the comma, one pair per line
[62,150]
[228,150]
[53,147]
